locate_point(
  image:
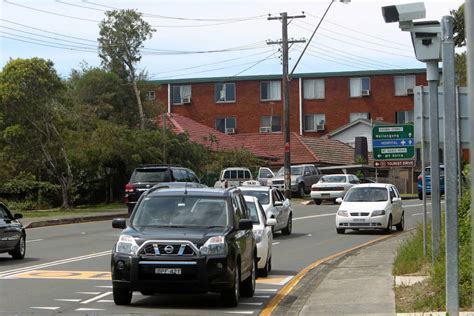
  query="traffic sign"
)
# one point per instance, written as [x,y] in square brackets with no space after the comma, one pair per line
[394,163]
[393,142]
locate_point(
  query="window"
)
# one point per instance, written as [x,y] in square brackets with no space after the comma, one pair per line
[150,95]
[314,122]
[404,85]
[181,94]
[222,124]
[225,92]
[270,90]
[272,123]
[359,115]
[313,88]
[360,87]
[402,117]
[180,175]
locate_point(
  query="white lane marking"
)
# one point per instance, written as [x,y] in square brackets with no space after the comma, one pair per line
[310,235]
[34,240]
[89,293]
[98,297]
[47,308]
[89,309]
[250,303]
[275,243]
[240,312]
[54,263]
[265,290]
[285,280]
[261,296]
[418,214]
[105,301]
[104,286]
[314,216]
[68,299]
[416,205]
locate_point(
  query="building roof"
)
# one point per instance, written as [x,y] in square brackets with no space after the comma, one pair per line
[302,75]
[330,151]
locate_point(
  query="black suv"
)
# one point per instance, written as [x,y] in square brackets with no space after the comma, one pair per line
[12,234]
[146,176]
[190,240]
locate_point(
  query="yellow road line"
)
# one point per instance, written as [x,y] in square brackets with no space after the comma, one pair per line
[285,290]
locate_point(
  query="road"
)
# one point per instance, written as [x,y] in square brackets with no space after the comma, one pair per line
[66,269]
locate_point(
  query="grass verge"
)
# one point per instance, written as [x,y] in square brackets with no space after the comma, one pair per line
[79,210]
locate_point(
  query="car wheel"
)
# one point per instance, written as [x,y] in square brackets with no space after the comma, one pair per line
[289,226]
[340,230]
[270,264]
[20,249]
[401,226]
[301,190]
[122,296]
[264,272]
[231,296]
[420,195]
[317,201]
[248,285]
[388,230]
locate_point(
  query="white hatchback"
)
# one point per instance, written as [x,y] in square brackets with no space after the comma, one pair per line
[262,230]
[370,206]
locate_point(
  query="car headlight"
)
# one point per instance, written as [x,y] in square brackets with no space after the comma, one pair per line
[127,245]
[342,213]
[214,246]
[378,213]
[269,182]
[258,233]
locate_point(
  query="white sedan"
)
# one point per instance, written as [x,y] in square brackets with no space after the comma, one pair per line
[370,206]
[332,186]
[263,234]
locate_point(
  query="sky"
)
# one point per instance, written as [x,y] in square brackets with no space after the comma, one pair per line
[188,33]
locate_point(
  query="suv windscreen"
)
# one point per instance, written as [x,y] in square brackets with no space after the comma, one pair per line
[187,211]
[262,196]
[294,171]
[151,175]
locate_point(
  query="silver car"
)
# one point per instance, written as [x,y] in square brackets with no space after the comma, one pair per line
[302,178]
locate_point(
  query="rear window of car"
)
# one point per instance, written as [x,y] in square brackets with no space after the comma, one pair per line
[262,196]
[151,175]
[237,174]
[333,179]
[366,195]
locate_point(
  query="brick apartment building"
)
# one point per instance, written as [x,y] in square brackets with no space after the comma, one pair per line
[319,102]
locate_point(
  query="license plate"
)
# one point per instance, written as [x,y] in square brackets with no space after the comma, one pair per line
[325,194]
[168,271]
[359,220]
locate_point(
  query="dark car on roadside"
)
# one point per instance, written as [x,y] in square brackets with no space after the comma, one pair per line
[145,177]
[12,233]
[186,240]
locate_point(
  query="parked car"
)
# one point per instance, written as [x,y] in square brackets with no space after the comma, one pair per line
[233,177]
[331,187]
[186,240]
[12,233]
[262,230]
[428,182]
[370,206]
[264,174]
[275,205]
[146,176]
[302,178]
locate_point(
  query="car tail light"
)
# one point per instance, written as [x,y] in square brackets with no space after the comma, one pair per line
[129,187]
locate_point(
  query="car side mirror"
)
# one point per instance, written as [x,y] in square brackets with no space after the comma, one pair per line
[307,173]
[269,176]
[396,199]
[278,203]
[339,200]
[245,224]
[119,223]
[17,216]
[271,222]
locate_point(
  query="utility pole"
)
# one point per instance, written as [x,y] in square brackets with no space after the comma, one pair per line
[285,84]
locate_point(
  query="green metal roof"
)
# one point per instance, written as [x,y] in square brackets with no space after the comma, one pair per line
[296,76]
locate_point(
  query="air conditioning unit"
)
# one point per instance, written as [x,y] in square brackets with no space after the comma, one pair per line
[266,129]
[186,100]
[410,91]
[365,93]
[230,131]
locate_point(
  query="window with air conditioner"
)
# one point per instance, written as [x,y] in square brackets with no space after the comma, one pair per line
[270,124]
[404,85]
[270,90]
[313,89]
[403,117]
[359,115]
[359,87]
[314,122]
[150,95]
[226,125]
[225,92]
[181,94]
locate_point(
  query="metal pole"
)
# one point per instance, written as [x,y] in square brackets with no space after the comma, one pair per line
[458,142]
[432,74]
[423,179]
[450,167]
[286,103]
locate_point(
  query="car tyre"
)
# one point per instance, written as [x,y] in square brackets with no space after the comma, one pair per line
[301,190]
[231,296]
[248,285]
[270,264]
[264,272]
[420,195]
[122,296]
[289,226]
[317,201]
[401,226]
[388,230]
[20,249]
[340,230]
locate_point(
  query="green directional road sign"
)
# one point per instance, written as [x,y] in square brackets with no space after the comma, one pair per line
[393,142]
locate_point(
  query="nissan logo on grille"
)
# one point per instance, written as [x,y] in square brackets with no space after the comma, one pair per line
[169,249]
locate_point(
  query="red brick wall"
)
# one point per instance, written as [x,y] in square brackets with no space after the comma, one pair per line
[248,108]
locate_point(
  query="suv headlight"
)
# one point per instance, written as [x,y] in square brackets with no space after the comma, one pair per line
[127,245]
[342,213]
[378,213]
[258,233]
[214,246]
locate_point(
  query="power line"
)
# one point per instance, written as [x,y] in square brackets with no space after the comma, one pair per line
[255,64]
[333,61]
[344,59]
[47,42]
[61,47]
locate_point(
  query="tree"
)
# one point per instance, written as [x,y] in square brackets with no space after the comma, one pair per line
[459,41]
[122,34]
[32,106]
